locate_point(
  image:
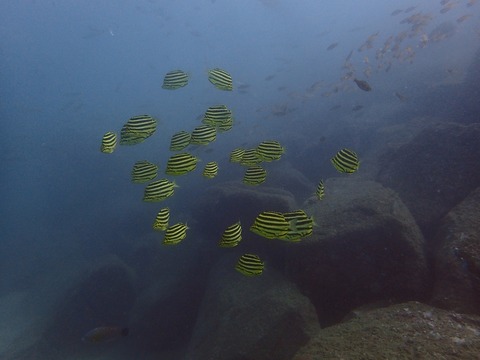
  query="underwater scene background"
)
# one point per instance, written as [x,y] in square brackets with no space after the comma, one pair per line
[282,179]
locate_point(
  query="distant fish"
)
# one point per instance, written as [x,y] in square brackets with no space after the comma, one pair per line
[409,9]
[162,219]
[175,234]
[396,12]
[357,107]
[250,265]
[363,85]
[335,107]
[346,161]
[269,77]
[109,142]
[210,170]
[175,79]
[231,236]
[400,96]
[320,190]
[104,334]
[332,46]
[255,175]
[221,79]
[463,18]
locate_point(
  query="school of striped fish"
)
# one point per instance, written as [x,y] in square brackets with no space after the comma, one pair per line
[291,226]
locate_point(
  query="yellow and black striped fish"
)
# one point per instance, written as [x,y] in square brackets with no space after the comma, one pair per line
[137,129]
[300,225]
[203,135]
[221,79]
[161,220]
[269,150]
[175,79]
[231,236]
[180,164]
[144,171]
[218,116]
[225,125]
[159,190]
[271,225]
[346,161]
[236,155]
[175,233]
[320,191]
[109,142]
[250,157]
[250,265]
[180,140]
[210,170]
[254,175]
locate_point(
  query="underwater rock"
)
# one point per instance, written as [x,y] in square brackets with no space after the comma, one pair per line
[263,317]
[226,203]
[434,171]
[403,331]
[285,176]
[366,247]
[457,258]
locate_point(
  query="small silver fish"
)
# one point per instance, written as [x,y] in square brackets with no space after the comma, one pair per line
[104,334]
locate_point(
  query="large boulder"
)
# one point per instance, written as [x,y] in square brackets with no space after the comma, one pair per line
[366,247]
[403,331]
[457,258]
[434,171]
[226,203]
[263,317]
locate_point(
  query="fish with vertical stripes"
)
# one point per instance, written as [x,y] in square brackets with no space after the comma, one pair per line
[137,129]
[300,225]
[250,157]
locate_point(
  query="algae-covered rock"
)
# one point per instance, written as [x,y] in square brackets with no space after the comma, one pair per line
[404,331]
[434,171]
[457,258]
[249,318]
[366,247]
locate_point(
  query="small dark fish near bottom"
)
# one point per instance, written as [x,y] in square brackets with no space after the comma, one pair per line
[363,85]
[105,334]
